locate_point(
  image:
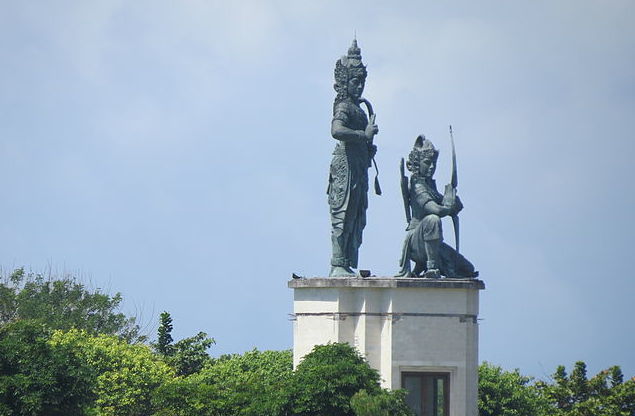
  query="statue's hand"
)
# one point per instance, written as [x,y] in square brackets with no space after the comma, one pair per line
[449,197]
[371,128]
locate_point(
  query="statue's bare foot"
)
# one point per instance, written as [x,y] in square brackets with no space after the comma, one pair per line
[432,274]
[340,271]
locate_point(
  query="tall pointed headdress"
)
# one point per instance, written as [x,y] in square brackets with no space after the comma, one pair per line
[349,66]
[423,149]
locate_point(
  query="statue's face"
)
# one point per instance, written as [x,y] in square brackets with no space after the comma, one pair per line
[427,167]
[355,87]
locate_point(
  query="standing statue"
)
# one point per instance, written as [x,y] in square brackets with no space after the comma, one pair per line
[353,155]
[425,207]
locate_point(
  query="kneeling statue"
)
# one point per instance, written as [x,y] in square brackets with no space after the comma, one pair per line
[425,207]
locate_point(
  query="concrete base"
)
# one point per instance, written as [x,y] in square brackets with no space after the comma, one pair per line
[401,325]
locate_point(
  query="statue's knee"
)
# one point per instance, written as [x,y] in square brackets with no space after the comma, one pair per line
[431,227]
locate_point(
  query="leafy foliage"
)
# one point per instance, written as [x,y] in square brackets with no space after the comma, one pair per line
[263,384]
[164,335]
[189,355]
[251,384]
[127,374]
[328,377]
[254,383]
[66,350]
[63,303]
[185,396]
[38,378]
[384,403]
[605,394]
[507,393]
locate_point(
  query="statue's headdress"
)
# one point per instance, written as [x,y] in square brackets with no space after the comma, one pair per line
[348,67]
[423,149]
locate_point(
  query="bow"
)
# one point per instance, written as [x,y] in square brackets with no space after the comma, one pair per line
[371,119]
[454,182]
[405,191]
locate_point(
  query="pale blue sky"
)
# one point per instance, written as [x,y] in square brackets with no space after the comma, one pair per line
[177,152]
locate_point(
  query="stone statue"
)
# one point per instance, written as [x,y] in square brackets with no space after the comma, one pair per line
[425,207]
[353,155]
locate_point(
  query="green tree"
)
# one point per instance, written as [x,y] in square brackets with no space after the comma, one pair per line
[384,403]
[605,394]
[164,335]
[63,303]
[185,396]
[187,356]
[507,393]
[127,374]
[252,384]
[327,378]
[41,379]
[190,354]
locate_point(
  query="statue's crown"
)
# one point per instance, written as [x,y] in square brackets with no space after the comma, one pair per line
[425,147]
[354,52]
[349,66]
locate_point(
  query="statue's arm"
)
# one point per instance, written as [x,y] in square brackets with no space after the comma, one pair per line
[340,132]
[432,207]
[451,200]
[443,210]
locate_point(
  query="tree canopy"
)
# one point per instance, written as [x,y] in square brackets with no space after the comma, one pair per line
[507,393]
[605,394]
[126,374]
[64,303]
[67,350]
[39,378]
[187,356]
[328,377]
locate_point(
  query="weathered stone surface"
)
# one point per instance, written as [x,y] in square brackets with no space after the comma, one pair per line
[353,154]
[386,282]
[425,206]
[401,325]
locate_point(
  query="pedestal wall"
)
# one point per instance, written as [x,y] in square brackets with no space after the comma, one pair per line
[401,325]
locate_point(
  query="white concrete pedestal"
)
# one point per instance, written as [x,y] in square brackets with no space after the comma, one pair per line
[401,325]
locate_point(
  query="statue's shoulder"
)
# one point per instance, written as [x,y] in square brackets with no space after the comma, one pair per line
[343,110]
[421,191]
[419,186]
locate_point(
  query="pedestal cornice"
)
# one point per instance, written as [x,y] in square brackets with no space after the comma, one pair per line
[385,282]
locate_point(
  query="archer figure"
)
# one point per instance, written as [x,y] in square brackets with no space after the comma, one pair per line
[425,207]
